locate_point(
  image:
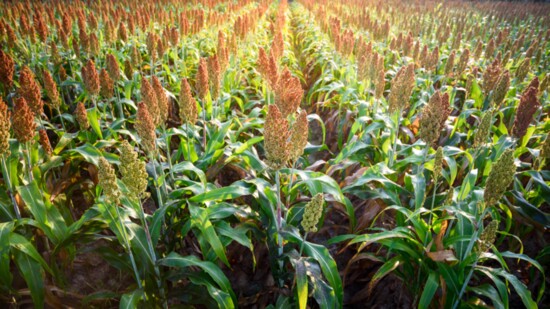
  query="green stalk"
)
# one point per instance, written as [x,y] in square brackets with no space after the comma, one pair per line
[29,168]
[393,156]
[153,254]
[187,140]
[8,184]
[125,236]
[119,105]
[279,222]
[204,123]
[468,251]
[290,182]
[61,117]
[168,156]
[159,196]
[302,244]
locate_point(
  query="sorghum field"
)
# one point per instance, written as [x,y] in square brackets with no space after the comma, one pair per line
[274,154]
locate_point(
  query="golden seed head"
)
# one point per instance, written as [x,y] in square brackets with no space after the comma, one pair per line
[480,137]
[135,55]
[491,75]
[151,42]
[380,84]
[162,100]
[128,69]
[51,90]
[276,135]
[45,142]
[82,116]
[402,86]
[149,97]
[107,181]
[500,177]
[490,49]
[523,69]
[187,104]
[112,67]
[122,33]
[132,169]
[23,121]
[94,44]
[214,75]
[201,79]
[107,89]
[433,118]
[90,78]
[288,93]
[463,62]
[299,135]
[501,88]
[5,126]
[7,68]
[312,213]
[145,128]
[30,90]
[62,74]
[449,65]
[528,106]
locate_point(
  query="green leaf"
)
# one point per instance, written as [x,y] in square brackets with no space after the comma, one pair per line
[33,274]
[131,300]
[200,221]
[89,153]
[5,273]
[301,283]
[94,118]
[20,243]
[235,190]
[429,290]
[521,289]
[46,215]
[175,260]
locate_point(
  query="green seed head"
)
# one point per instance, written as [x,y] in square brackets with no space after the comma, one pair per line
[312,213]
[500,177]
[107,181]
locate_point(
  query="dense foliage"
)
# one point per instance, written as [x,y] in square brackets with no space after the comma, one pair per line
[223,154]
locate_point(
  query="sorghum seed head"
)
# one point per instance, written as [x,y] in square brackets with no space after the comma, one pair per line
[523,69]
[145,128]
[402,86]
[480,137]
[149,97]
[30,90]
[438,163]
[45,142]
[487,237]
[528,106]
[162,100]
[463,61]
[107,86]
[276,135]
[433,118]
[5,126]
[501,89]
[312,213]
[491,75]
[500,177]
[187,104]
[82,116]
[299,135]
[112,67]
[214,75]
[90,78]
[449,65]
[107,181]
[201,79]
[288,93]
[23,121]
[51,89]
[7,68]
[134,174]
[128,69]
